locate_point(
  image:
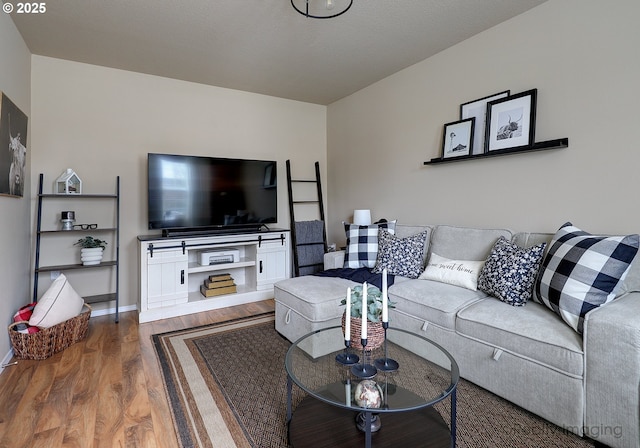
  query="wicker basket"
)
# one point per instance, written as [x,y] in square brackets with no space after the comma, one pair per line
[375,333]
[49,341]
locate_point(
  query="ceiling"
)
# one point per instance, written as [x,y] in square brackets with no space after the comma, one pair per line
[260,46]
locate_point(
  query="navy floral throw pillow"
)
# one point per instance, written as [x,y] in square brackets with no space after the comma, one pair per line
[401,256]
[510,271]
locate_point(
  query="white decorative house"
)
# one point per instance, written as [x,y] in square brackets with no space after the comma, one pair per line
[68,183]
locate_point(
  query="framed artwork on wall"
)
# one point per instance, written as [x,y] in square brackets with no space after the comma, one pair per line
[457,138]
[511,122]
[478,110]
[13,148]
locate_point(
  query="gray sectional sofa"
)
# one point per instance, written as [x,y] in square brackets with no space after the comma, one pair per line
[588,383]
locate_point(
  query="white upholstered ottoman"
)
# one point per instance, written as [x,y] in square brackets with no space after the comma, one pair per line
[310,303]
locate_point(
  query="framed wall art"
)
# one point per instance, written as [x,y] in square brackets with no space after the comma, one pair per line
[478,110]
[13,148]
[511,122]
[457,138]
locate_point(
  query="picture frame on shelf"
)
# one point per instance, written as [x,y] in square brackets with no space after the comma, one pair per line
[511,122]
[478,110]
[457,138]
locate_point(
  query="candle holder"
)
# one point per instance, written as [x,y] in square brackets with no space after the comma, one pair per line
[346,358]
[386,364]
[364,370]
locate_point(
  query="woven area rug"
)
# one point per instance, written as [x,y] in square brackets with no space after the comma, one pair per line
[226,386]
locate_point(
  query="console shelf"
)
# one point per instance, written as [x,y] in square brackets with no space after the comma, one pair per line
[540,146]
[171,275]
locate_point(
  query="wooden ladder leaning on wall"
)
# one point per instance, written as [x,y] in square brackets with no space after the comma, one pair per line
[308,238]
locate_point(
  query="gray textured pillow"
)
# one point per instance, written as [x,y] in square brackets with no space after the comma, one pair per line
[401,256]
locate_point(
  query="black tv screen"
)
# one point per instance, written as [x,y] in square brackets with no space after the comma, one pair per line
[193,192]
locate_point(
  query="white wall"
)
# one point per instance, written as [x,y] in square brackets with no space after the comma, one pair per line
[581,55]
[15,263]
[102,122]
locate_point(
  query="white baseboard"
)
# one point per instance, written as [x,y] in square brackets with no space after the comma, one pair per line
[123,309]
[5,360]
[9,355]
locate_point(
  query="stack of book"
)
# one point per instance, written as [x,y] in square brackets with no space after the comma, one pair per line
[218,284]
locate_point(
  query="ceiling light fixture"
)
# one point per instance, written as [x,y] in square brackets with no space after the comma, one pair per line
[321,9]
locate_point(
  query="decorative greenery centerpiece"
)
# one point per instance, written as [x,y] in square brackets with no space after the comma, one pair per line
[89,242]
[375,331]
[374,303]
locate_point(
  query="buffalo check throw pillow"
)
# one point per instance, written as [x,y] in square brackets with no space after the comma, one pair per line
[581,272]
[362,244]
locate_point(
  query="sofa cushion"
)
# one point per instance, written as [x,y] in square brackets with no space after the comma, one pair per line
[401,256]
[531,332]
[460,243]
[510,271]
[315,298]
[463,273]
[362,244]
[582,271]
[431,301]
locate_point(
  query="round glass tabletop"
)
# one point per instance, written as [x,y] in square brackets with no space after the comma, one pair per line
[426,373]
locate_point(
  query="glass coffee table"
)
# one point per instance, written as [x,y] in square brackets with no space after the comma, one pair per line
[343,408]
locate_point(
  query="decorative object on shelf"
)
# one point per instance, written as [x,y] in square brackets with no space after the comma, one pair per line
[67,219]
[321,9]
[218,284]
[457,138]
[68,183]
[511,122]
[362,217]
[368,394]
[92,250]
[85,226]
[478,110]
[13,165]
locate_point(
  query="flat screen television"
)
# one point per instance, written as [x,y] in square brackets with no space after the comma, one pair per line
[199,194]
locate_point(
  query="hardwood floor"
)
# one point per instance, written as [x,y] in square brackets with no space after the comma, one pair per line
[105,391]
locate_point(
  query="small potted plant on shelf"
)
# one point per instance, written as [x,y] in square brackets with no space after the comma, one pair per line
[91,250]
[375,332]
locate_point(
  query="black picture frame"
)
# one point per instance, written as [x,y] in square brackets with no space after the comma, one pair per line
[504,130]
[478,109]
[457,138]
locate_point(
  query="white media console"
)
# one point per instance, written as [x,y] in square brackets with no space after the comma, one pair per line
[173,268]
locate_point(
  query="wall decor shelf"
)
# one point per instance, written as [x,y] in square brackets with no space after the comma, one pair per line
[540,146]
[78,200]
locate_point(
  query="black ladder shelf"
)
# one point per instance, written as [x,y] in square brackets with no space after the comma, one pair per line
[106,297]
[310,246]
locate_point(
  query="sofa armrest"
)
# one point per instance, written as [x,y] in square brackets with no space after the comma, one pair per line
[612,372]
[334,260]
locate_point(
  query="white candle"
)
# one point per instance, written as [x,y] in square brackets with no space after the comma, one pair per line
[385,300]
[363,334]
[347,393]
[347,317]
